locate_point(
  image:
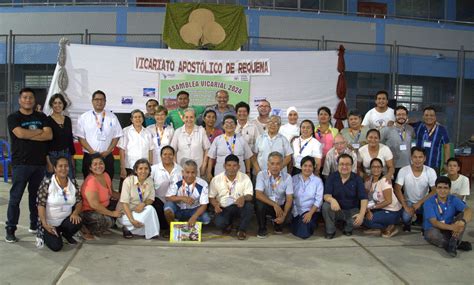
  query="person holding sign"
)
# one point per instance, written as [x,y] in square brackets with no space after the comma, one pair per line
[59,206]
[274,194]
[161,133]
[187,199]
[98,131]
[228,143]
[136,201]
[399,138]
[306,145]
[231,194]
[433,138]
[176,116]
[355,134]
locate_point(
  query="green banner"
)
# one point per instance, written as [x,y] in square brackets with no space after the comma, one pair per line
[204,26]
[202,88]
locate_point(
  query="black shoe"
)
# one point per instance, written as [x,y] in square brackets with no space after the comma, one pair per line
[347,233]
[329,236]
[70,240]
[451,248]
[407,228]
[10,237]
[262,234]
[465,246]
[277,229]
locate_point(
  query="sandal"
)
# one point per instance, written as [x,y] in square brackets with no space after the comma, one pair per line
[127,234]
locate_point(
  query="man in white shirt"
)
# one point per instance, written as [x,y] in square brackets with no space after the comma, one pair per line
[459,183]
[381,115]
[98,131]
[416,180]
[231,194]
[187,199]
[246,129]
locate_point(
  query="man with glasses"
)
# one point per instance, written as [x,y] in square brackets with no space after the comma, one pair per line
[340,147]
[345,198]
[98,131]
[399,138]
[264,110]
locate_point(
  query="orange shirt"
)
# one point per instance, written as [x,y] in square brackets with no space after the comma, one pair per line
[91,184]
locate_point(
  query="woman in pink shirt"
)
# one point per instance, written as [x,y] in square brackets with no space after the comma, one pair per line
[98,213]
[324,131]
[383,210]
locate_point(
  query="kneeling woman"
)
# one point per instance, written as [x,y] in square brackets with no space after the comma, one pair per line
[99,201]
[308,192]
[136,201]
[383,211]
[59,205]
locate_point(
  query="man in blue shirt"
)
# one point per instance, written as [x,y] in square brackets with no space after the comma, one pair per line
[344,198]
[445,219]
[274,193]
[433,138]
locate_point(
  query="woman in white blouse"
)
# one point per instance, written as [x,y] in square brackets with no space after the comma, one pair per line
[306,145]
[59,206]
[191,142]
[374,149]
[164,174]
[161,134]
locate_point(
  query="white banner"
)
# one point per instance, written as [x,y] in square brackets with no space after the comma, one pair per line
[202,67]
[304,79]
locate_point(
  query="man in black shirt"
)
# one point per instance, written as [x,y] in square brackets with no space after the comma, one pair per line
[29,133]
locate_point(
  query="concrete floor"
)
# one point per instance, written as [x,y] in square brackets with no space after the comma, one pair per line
[403,259]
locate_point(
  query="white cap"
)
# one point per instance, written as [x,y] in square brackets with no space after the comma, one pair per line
[292,108]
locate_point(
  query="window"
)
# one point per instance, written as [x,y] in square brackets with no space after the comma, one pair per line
[465,10]
[430,9]
[409,96]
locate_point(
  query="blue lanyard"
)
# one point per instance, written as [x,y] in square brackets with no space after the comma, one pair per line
[63,189]
[303,147]
[356,139]
[231,148]
[442,210]
[101,126]
[158,136]
[319,134]
[140,194]
[401,133]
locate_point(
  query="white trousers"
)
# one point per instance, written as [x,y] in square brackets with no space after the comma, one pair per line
[149,219]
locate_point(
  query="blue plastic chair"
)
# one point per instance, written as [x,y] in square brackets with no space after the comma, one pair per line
[5,158]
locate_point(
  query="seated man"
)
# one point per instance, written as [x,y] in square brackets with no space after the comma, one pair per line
[274,193]
[231,195]
[187,199]
[344,198]
[445,219]
[459,183]
[416,180]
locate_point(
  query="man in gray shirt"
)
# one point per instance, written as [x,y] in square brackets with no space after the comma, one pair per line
[399,138]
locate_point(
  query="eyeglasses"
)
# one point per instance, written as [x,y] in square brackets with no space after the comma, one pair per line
[339,143]
[273,123]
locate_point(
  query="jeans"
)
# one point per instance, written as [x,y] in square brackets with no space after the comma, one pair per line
[304,230]
[186,214]
[23,175]
[67,229]
[54,155]
[159,208]
[109,165]
[330,218]
[262,211]
[406,218]
[382,219]
[225,218]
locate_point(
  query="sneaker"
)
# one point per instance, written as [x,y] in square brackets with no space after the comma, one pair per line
[32,231]
[10,237]
[329,236]
[407,228]
[390,231]
[262,234]
[241,235]
[347,233]
[70,240]
[277,229]
[465,246]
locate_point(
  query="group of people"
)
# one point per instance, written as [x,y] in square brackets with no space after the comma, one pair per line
[198,162]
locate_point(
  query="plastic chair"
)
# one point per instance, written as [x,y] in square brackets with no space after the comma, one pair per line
[5,160]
